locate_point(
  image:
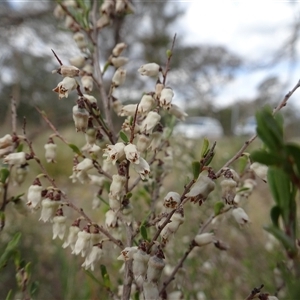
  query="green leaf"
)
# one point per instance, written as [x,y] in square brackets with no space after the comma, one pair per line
[285,240]
[28,269]
[196,169]
[242,163]
[124,137]
[169,53]
[34,288]
[9,250]
[205,147]
[136,295]
[144,233]
[218,207]
[105,276]
[9,295]
[4,173]
[75,149]
[275,214]
[20,148]
[91,275]
[266,158]
[293,152]
[210,159]
[107,64]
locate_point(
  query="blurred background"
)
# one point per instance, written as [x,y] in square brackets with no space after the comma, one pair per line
[230,59]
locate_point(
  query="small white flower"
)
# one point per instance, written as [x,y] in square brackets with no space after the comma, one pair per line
[114,152]
[119,77]
[85,165]
[88,69]
[72,237]
[249,184]
[166,97]
[150,290]
[87,83]
[151,69]
[272,298]
[132,154]
[80,40]
[228,190]
[143,142]
[155,267]
[20,173]
[114,203]
[93,257]
[201,189]
[127,253]
[171,201]
[65,86]
[95,151]
[146,104]
[156,140]
[97,180]
[111,219]
[240,216]
[91,136]
[59,227]
[142,168]
[34,196]
[117,185]
[177,112]
[83,243]
[49,208]
[128,110]
[107,7]
[150,122]
[204,239]
[6,141]
[50,152]
[260,170]
[118,49]
[140,261]
[176,220]
[17,158]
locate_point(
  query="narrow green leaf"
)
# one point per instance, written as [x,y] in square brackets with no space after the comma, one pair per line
[4,173]
[105,276]
[218,207]
[124,137]
[275,214]
[205,147]
[285,240]
[293,152]
[17,259]
[9,250]
[91,275]
[136,295]
[75,149]
[144,233]
[242,163]
[20,148]
[9,295]
[196,169]
[210,159]
[28,269]
[34,288]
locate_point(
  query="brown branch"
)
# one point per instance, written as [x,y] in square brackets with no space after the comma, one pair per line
[167,67]
[59,61]
[13,105]
[254,293]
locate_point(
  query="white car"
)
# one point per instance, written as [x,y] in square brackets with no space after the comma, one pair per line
[198,127]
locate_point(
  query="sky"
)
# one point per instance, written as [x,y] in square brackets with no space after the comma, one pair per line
[252,29]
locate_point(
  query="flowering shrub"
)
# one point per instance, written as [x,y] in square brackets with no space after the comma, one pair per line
[139,155]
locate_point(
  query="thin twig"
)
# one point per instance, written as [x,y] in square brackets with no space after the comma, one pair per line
[59,61]
[167,68]
[13,105]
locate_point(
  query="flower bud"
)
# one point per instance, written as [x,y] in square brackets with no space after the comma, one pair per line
[77,61]
[142,168]
[79,39]
[150,122]
[127,253]
[166,97]
[240,216]
[177,112]
[67,71]
[118,49]
[128,110]
[132,154]
[228,190]
[146,104]
[201,189]
[17,158]
[155,266]
[87,83]
[119,77]
[81,118]
[65,86]
[6,141]
[50,151]
[117,185]
[204,239]
[260,170]
[151,69]
[119,61]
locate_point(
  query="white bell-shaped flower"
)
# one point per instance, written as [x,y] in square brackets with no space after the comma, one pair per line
[50,152]
[85,165]
[93,257]
[142,168]
[166,97]
[114,152]
[240,216]
[83,243]
[17,158]
[119,77]
[260,170]
[72,237]
[177,112]
[34,195]
[150,122]
[63,88]
[150,69]
[59,227]
[127,253]
[80,117]
[117,186]
[118,49]
[128,110]
[171,201]
[146,104]
[132,153]
[6,141]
